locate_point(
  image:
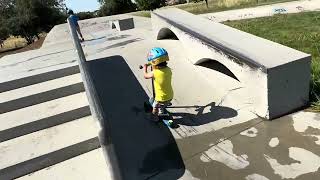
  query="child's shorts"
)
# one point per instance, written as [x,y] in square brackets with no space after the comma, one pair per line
[156,104]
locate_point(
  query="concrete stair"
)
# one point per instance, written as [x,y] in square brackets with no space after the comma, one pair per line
[47,131]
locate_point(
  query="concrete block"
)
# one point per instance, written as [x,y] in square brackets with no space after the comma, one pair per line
[122,24]
[275,77]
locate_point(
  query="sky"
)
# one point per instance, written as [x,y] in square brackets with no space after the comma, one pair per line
[82,5]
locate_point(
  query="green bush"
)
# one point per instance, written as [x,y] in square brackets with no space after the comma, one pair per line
[86,15]
[112,7]
[28,18]
[150,4]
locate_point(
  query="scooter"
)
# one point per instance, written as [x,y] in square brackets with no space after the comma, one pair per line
[164,116]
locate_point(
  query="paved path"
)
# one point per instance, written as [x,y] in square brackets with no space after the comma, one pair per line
[262,11]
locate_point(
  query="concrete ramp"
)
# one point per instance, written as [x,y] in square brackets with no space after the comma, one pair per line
[276,77]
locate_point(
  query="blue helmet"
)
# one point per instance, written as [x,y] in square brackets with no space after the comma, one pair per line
[157,55]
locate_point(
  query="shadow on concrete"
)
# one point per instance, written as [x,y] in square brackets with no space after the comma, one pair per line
[39,78]
[50,159]
[215,113]
[166,33]
[103,39]
[143,148]
[118,37]
[119,44]
[44,123]
[41,97]
[217,66]
[95,39]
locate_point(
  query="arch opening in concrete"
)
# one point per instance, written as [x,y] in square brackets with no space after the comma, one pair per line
[217,66]
[166,33]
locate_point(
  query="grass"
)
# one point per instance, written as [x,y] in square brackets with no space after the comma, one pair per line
[13,43]
[299,31]
[216,6]
[142,13]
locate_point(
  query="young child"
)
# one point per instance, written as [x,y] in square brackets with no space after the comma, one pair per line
[75,20]
[161,75]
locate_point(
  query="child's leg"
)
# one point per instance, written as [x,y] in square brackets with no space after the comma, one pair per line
[155,106]
[162,106]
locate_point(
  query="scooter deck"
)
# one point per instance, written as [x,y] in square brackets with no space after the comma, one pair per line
[165,118]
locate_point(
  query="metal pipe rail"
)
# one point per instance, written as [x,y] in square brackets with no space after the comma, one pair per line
[95,107]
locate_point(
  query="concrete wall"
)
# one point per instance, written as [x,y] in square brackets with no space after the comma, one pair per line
[122,24]
[274,79]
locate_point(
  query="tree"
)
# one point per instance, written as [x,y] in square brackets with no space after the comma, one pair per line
[150,4]
[86,15]
[28,18]
[6,10]
[112,7]
[4,32]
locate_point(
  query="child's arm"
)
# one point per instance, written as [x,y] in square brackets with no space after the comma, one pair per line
[146,74]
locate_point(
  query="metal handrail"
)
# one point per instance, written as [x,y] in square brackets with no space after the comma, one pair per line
[95,107]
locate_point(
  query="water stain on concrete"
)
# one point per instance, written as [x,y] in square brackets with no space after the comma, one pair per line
[256,149]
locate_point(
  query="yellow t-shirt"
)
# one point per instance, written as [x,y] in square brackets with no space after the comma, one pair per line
[162,84]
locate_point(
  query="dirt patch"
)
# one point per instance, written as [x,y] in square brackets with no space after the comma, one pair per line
[35,45]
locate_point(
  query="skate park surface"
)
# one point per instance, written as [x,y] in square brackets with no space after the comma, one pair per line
[47,131]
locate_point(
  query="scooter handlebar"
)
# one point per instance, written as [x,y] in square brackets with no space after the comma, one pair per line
[141,66]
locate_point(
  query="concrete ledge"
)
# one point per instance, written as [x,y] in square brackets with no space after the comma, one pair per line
[275,77]
[122,24]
